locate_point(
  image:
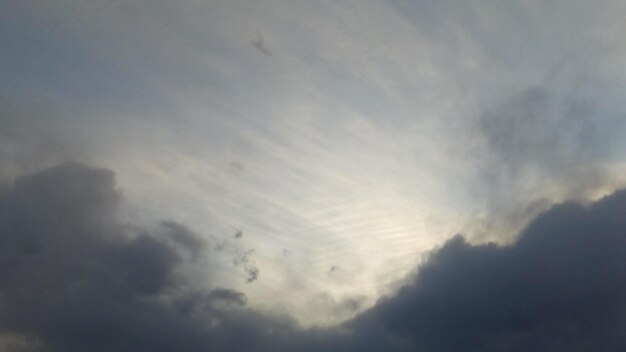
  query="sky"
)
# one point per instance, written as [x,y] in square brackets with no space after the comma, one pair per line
[296,175]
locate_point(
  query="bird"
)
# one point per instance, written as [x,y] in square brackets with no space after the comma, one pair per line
[258,44]
[238,232]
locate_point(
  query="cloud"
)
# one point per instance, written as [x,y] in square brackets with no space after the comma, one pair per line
[241,257]
[536,132]
[34,133]
[283,146]
[184,237]
[539,146]
[561,286]
[76,279]
[224,294]
[353,147]
[244,258]
[73,278]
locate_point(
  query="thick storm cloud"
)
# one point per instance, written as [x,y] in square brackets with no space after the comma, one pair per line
[73,278]
[561,287]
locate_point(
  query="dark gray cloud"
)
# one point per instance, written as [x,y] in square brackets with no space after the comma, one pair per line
[73,278]
[184,237]
[561,286]
[228,295]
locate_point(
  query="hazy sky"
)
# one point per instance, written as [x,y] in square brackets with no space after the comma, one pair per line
[308,157]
